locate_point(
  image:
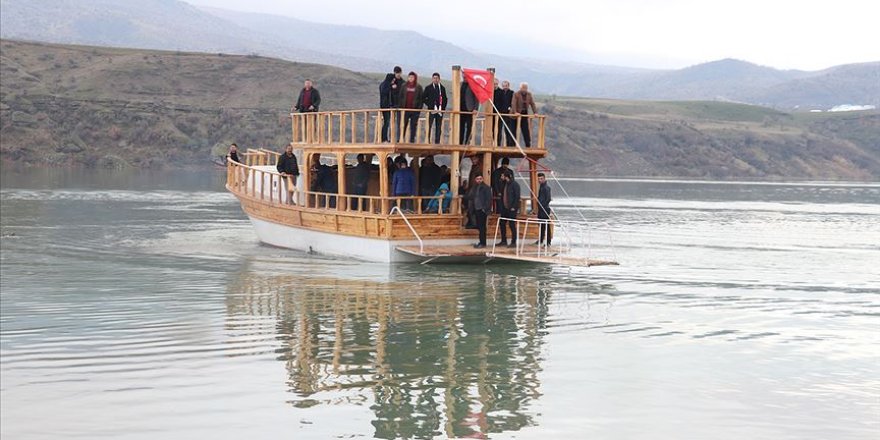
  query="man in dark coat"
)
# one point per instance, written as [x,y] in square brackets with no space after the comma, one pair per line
[289,170]
[435,100]
[429,177]
[388,95]
[469,105]
[544,199]
[309,99]
[510,196]
[503,100]
[360,180]
[497,184]
[482,201]
[325,182]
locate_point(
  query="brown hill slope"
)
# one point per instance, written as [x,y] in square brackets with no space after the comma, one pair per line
[76,105]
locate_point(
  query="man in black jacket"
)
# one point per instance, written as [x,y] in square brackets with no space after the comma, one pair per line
[389,90]
[435,100]
[497,184]
[360,180]
[289,170]
[482,200]
[469,105]
[510,196]
[544,198]
[503,100]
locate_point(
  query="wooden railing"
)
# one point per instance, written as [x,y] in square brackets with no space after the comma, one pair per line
[362,127]
[268,185]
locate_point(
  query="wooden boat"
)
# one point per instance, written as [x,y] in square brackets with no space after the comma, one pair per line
[372,227]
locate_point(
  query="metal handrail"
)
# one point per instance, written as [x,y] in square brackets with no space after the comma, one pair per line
[411,228]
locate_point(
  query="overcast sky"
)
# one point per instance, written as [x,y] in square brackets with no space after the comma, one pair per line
[785,34]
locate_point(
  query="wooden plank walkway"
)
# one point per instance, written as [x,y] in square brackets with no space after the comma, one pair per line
[528,253]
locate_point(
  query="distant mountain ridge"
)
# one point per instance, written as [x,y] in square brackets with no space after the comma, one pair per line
[63,105]
[176,25]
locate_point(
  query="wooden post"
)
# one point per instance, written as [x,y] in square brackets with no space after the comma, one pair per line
[454,178]
[487,168]
[307,175]
[383,182]
[341,200]
[456,105]
[533,183]
[489,116]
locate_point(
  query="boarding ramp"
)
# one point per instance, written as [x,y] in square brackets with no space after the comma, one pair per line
[573,244]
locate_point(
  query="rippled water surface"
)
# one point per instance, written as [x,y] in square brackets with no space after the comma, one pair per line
[142,306]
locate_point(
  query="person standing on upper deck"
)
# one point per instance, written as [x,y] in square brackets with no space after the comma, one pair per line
[503,100]
[289,169]
[411,97]
[435,100]
[482,201]
[522,101]
[309,98]
[469,105]
[544,199]
[388,95]
[510,196]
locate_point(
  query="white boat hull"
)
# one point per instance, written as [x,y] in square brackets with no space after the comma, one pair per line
[324,243]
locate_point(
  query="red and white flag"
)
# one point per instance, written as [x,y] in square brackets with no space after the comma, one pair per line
[480,82]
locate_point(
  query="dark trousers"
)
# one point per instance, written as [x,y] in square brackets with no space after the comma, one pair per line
[481,225]
[386,125]
[507,221]
[467,123]
[435,121]
[411,120]
[360,189]
[503,133]
[545,230]
[526,134]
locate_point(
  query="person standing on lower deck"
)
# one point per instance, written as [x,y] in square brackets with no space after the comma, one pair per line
[403,184]
[482,200]
[544,199]
[289,170]
[510,196]
[361,179]
[522,102]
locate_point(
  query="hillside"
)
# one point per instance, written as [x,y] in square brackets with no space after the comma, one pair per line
[178,26]
[77,105]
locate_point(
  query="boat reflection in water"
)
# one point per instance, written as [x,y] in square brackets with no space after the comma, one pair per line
[450,351]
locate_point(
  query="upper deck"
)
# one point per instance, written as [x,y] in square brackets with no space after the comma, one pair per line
[360,131]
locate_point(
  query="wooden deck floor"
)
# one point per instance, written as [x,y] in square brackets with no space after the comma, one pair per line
[528,253]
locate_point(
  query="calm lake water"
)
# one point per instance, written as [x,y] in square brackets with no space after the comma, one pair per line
[143,307]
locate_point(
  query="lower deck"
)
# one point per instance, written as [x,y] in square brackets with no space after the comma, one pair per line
[526,253]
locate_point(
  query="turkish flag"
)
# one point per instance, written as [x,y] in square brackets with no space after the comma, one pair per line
[480,82]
